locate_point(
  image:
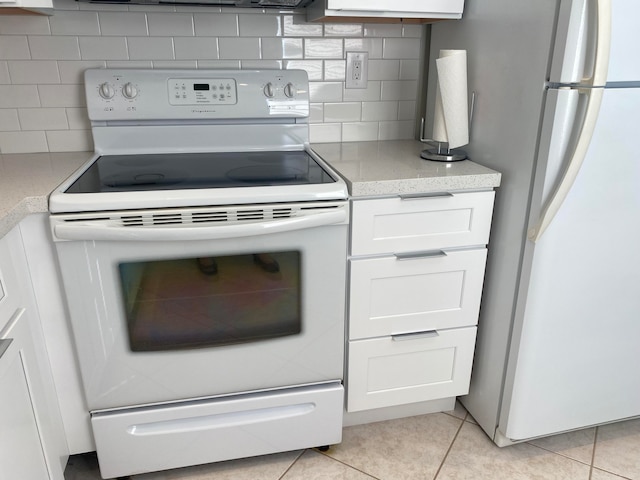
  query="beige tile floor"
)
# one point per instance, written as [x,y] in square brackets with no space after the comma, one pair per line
[440,446]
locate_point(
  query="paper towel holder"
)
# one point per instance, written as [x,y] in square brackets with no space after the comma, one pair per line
[442,152]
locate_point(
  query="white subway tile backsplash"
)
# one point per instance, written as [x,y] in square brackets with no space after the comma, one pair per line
[323,48]
[33,71]
[371,45]
[9,120]
[216,25]
[261,64]
[400,90]
[176,24]
[407,109]
[150,48]
[4,73]
[72,71]
[69,140]
[334,69]
[396,130]
[103,48]
[325,132]
[342,30]
[260,25]
[383,30]
[325,92]
[123,24]
[359,131]
[295,26]
[369,94]
[24,25]
[54,47]
[229,64]
[43,59]
[281,48]
[239,48]
[16,96]
[197,48]
[191,64]
[23,142]
[401,48]
[312,67]
[74,23]
[43,119]
[377,111]
[409,69]
[78,119]
[14,47]
[384,69]
[316,112]
[62,95]
[342,112]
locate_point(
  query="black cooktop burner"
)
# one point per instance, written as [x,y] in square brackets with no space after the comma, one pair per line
[178,171]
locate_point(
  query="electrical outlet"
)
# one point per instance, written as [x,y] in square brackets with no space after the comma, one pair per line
[357,68]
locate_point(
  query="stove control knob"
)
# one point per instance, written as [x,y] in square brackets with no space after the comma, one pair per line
[290,90]
[106,90]
[268,90]
[129,91]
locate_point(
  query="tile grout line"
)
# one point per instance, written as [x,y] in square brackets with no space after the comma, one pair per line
[346,465]
[593,452]
[444,459]
[292,464]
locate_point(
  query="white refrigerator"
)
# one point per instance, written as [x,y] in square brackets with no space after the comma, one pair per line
[557,111]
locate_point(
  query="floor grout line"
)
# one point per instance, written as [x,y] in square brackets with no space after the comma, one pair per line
[444,459]
[292,464]
[347,465]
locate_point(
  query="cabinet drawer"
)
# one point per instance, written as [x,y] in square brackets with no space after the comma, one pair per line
[392,225]
[390,371]
[391,296]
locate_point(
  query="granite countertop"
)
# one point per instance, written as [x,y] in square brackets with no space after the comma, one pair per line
[394,167]
[369,168]
[27,179]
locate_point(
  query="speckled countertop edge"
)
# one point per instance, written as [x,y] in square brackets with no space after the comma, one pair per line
[27,179]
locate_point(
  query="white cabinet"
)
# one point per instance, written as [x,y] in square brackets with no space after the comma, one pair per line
[416,11]
[26,7]
[32,442]
[416,273]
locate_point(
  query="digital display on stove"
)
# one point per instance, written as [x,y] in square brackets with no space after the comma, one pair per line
[201,86]
[180,171]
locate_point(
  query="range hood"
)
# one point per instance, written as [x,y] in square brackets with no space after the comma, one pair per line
[288,4]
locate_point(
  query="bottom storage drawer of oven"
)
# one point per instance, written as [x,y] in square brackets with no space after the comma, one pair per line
[161,437]
[397,370]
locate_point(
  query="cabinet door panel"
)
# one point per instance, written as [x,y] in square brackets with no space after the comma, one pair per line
[21,454]
[389,371]
[392,225]
[391,296]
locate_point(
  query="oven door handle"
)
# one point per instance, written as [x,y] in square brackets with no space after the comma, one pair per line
[105,231]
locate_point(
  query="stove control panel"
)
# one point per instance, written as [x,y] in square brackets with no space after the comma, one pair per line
[175,95]
[202,91]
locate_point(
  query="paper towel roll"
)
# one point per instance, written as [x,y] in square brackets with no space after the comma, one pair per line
[451,115]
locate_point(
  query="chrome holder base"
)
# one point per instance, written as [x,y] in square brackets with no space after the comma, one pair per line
[443,155]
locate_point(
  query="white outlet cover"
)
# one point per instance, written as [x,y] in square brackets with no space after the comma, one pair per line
[357,70]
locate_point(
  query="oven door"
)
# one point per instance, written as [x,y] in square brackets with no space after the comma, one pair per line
[166,311]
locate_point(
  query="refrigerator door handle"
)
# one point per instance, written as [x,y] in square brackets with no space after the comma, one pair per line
[582,145]
[603,44]
[599,78]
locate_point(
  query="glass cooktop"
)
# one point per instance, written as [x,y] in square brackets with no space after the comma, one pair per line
[178,171]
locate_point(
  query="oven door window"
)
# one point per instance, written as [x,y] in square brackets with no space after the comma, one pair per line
[210,301]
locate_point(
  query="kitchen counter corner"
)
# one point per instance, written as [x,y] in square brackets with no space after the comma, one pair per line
[395,167]
[27,179]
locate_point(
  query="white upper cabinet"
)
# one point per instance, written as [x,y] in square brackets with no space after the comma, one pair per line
[26,7]
[417,11]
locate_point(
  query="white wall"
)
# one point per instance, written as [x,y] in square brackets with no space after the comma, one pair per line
[42,105]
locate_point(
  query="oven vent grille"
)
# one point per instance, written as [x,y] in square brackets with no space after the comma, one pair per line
[204,216]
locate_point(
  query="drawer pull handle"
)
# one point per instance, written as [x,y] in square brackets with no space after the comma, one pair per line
[4,344]
[412,255]
[400,337]
[417,196]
